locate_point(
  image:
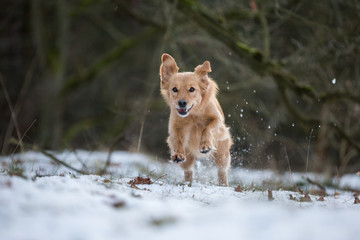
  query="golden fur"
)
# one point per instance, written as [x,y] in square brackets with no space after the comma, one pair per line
[199,128]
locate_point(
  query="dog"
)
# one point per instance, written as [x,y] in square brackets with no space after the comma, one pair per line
[197,123]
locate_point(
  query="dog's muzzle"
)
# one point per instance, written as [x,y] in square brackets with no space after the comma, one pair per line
[183,112]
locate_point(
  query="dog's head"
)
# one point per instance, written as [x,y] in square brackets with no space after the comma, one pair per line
[183,91]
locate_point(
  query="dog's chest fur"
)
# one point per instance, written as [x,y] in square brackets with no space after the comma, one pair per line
[192,128]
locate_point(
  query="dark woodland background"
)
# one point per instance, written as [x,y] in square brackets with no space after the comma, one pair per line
[84,74]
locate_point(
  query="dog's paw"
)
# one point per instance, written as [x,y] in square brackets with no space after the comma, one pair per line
[178,158]
[205,148]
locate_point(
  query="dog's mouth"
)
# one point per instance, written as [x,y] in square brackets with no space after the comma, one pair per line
[183,112]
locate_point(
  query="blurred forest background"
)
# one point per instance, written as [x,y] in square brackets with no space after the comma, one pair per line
[84,74]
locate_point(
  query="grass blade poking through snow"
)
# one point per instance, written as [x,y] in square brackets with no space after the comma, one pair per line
[55,159]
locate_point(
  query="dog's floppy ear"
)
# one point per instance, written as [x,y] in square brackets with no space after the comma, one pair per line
[202,72]
[168,68]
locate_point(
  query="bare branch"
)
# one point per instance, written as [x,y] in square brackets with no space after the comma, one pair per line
[73,82]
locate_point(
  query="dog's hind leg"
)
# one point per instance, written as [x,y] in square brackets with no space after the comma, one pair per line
[222,160]
[188,167]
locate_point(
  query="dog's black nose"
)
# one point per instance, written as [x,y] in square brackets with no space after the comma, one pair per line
[182,103]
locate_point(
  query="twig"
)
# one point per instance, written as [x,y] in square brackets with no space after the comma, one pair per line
[18,103]
[55,159]
[13,115]
[37,175]
[80,160]
[21,139]
[111,149]
[160,177]
[308,151]
[288,161]
[266,34]
[118,138]
[317,184]
[140,136]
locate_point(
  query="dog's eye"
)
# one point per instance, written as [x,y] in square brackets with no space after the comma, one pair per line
[175,89]
[192,89]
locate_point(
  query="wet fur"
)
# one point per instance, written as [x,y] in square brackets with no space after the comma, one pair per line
[203,130]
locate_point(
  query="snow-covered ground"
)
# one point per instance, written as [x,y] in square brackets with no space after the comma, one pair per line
[62,204]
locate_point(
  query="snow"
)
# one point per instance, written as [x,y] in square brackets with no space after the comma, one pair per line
[350,181]
[61,204]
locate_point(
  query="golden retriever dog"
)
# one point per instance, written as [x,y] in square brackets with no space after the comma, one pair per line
[197,123]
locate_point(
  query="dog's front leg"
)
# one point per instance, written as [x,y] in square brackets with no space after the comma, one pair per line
[207,141]
[176,145]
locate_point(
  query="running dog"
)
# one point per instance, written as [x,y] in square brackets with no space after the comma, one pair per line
[197,123]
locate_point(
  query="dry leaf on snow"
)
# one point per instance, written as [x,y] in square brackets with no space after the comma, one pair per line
[140,180]
[238,188]
[305,198]
[270,196]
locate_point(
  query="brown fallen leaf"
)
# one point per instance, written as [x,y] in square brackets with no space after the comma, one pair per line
[318,192]
[321,199]
[119,204]
[270,196]
[305,198]
[356,200]
[300,190]
[9,184]
[140,180]
[291,197]
[238,188]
